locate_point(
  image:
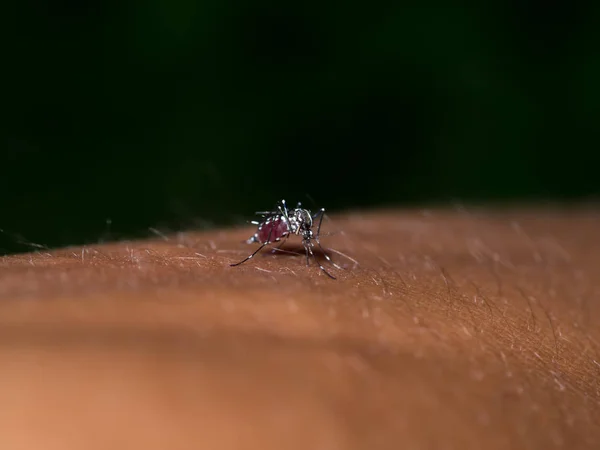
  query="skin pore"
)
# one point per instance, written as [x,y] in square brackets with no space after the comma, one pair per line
[446,329]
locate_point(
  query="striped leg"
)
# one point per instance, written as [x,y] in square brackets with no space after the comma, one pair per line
[320,215]
[308,248]
[268,241]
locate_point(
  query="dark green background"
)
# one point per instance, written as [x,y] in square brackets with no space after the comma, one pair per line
[174,114]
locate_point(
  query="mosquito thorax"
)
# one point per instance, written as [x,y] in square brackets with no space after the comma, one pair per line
[301,220]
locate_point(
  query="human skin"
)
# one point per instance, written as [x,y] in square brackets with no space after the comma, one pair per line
[450,330]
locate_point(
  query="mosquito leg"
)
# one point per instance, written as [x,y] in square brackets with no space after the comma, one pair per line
[279,246]
[326,255]
[320,213]
[251,256]
[309,249]
[284,213]
[268,241]
[307,254]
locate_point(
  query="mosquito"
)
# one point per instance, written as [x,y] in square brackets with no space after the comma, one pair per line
[279,224]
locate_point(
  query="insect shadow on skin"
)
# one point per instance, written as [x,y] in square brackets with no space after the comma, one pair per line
[279,224]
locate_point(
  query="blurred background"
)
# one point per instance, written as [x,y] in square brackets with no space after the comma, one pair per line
[125,115]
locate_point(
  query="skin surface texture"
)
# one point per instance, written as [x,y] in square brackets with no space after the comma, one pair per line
[447,329]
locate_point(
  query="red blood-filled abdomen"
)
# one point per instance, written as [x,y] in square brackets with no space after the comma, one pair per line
[276,227]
